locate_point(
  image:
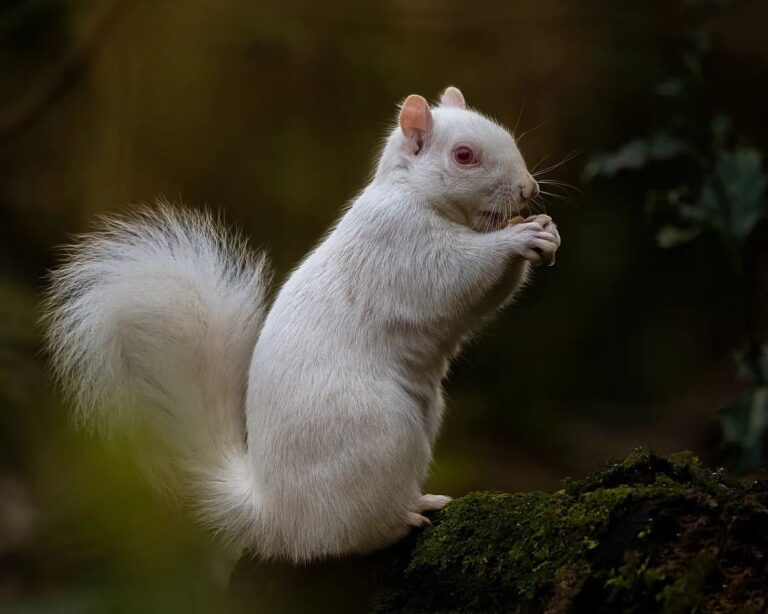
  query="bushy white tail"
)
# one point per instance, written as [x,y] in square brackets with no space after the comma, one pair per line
[151,322]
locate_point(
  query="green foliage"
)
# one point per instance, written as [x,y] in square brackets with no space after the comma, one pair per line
[732,198]
[719,188]
[636,155]
[725,194]
[744,422]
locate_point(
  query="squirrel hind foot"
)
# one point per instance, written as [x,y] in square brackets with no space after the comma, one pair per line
[431,503]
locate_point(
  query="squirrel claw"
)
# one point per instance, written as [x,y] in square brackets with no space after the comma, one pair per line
[417,520]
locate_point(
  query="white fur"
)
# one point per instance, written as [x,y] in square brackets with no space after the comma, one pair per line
[157,318]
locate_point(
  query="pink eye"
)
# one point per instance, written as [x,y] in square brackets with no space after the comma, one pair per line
[464,155]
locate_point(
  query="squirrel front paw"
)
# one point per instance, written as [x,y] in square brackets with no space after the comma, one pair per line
[536,239]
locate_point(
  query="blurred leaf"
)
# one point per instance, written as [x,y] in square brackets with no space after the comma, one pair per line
[733,196]
[671,88]
[744,424]
[693,63]
[635,155]
[701,40]
[752,363]
[721,129]
[672,236]
[659,201]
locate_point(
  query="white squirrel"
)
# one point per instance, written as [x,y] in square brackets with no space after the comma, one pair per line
[304,430]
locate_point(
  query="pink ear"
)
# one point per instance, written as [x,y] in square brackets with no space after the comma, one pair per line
[452,97]
[415,121]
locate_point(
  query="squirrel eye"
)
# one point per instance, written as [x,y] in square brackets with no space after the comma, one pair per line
[464,155]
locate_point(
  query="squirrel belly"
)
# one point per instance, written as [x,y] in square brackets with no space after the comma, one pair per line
[302,429]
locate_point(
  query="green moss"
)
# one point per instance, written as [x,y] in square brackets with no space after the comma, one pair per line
[644,467]
[646,534]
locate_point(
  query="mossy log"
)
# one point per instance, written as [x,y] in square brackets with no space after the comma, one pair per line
[649,534]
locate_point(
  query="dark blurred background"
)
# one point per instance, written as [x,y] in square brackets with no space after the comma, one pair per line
[272,113]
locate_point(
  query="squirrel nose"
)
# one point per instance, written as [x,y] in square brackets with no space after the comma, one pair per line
[529,189]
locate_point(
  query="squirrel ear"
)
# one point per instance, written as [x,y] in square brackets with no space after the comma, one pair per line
[452,97]
[415,121]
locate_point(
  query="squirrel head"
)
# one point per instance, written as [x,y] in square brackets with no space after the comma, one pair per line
[458,161]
